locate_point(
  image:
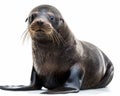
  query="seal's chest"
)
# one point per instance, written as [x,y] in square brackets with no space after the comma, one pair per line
[53,78]
[53,75]
[50,67]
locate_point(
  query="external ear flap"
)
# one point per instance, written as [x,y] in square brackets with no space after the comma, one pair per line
[61,21]
[26,19]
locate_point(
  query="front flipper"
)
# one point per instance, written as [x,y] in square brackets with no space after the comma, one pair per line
[35,84]
[73,84]
[17,88]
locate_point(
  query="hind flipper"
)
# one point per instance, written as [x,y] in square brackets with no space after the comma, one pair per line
[108,75]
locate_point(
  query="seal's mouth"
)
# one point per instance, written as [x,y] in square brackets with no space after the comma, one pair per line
[41,28]
[40,31]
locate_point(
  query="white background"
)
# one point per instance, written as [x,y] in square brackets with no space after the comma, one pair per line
[95,21]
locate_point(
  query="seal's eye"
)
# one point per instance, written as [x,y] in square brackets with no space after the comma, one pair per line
[52,18]
[32,17]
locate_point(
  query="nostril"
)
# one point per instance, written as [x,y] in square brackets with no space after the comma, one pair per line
[40,23]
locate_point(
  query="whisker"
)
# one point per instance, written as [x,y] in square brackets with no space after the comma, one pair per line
[53,38]
[25,36]
[59,36]
[56,39]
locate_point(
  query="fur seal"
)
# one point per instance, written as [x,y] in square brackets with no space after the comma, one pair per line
[61,63]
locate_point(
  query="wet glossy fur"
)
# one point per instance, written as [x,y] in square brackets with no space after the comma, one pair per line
[64,64]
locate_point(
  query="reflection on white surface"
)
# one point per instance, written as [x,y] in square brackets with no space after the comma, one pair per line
[98,92]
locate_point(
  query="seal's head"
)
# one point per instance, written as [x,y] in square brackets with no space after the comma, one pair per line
[46,23]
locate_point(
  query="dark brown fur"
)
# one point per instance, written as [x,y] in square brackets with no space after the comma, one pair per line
[62,63]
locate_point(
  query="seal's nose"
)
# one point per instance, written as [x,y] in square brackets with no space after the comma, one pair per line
[40,23]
